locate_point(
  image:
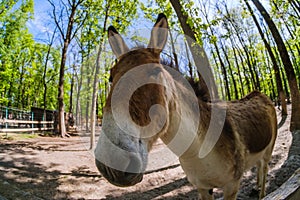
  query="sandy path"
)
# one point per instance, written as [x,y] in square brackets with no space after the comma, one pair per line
[56,168]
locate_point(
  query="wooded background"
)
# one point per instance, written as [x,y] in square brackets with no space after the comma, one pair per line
[251,45]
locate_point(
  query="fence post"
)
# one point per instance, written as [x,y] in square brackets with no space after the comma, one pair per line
[6,117]
[43,125]
[32,126]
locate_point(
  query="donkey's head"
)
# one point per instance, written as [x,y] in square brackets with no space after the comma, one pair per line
[136,110]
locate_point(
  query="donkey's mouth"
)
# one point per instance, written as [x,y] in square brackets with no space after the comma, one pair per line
[119,178]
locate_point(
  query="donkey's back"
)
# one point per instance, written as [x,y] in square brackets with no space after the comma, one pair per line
[255,120]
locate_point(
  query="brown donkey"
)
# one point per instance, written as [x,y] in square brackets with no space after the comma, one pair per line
[148,100]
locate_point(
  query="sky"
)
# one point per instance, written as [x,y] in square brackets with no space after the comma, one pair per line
[41,24]
[38,26]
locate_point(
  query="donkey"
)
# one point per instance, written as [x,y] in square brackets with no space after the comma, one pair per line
[146,105]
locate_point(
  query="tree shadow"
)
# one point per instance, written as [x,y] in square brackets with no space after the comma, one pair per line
[291,164]
[156,192]
[247,188]
[22,177]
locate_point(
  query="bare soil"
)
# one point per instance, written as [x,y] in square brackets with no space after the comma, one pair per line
[63,168]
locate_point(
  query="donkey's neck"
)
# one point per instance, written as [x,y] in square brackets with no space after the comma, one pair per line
[188,122]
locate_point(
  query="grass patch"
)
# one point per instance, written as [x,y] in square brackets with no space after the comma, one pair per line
[17,136]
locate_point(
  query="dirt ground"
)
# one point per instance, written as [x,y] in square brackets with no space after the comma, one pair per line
[63,168]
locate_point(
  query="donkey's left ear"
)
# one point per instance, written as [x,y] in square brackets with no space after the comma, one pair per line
[159,33]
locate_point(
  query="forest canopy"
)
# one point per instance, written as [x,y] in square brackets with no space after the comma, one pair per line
[65,63]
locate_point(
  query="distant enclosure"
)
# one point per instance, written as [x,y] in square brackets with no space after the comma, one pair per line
[15,120]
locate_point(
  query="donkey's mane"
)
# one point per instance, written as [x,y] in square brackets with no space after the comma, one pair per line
[200,92]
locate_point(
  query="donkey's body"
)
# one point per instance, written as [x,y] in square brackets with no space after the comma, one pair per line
[247,137]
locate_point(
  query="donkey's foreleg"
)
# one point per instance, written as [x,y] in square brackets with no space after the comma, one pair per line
[205,194]
[231,189]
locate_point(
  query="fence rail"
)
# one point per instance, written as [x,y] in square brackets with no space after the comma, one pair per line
[15,120]
[8,130]
[24,121]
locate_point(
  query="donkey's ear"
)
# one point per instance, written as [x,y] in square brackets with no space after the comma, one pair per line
[159,33]
[116,42]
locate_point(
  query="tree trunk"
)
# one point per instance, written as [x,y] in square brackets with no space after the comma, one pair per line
[206,78]
[296,7]
[238,69]
[288,66]
[79,85]
[227,89]
[274,61]
[244,46]
[219,74]
[45,72]
[67,37]
[61,111]
[230,72]
[71,93]
[174,51]
[21,90]
[96,80]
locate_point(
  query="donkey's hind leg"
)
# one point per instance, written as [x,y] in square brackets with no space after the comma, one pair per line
[262,172]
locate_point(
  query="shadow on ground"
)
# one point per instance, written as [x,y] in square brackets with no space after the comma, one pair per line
[22,177]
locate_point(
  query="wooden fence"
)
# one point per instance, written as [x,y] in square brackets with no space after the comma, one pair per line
[15,120]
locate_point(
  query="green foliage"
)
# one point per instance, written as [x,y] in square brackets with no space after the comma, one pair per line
[22,60]
[218,26]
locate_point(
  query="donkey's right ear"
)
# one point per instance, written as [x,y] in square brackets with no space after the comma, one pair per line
[116,42]
[159,33]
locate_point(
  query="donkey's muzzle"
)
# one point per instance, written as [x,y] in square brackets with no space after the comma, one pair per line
[119,178]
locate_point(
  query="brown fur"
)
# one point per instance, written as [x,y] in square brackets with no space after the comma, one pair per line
[252,113]
[247,138]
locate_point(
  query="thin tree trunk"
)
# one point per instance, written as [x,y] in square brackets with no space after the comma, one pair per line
[189,61]
[71,92]
[248,83]
[296,7]
[230,72]
[288,66]
[274,61]
[45,72]
[198,53]
[244,46]
[87,108]
[67,37]
[96,79]
[174,51]
[79,85]
[21,89]
[219,74]
[227,89]
[238,69]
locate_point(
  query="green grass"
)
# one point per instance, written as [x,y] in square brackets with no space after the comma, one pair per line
[17,136]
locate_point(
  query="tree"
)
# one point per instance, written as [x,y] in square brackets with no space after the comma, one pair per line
[198,52]
[16,50]
[96,79]
[75,21]
[51,41]
[274,62]
[288,66]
